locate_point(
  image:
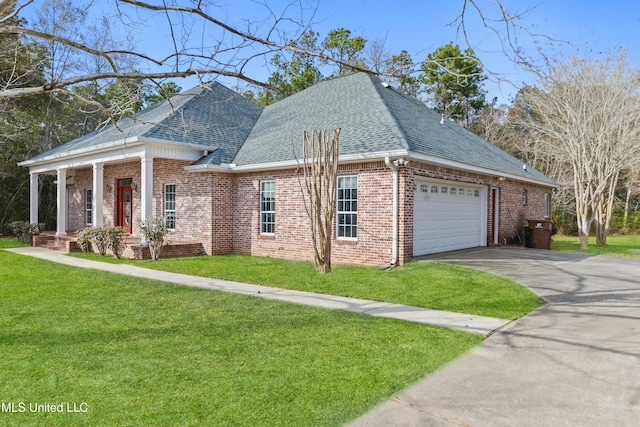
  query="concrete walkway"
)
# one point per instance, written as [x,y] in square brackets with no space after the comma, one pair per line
[466,322]
[573,362]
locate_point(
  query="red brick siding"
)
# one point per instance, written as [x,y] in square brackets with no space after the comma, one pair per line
[77,193]
[291,238]
[193,201]
[513,214]
[222,211]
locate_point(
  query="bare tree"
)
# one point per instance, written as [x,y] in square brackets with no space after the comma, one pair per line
[587,111]
[632,186]
[317,179]
[224,48]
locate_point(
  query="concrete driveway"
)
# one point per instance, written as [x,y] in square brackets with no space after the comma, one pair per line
[573,362]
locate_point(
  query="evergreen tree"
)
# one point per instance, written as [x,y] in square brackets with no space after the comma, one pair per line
[454,80]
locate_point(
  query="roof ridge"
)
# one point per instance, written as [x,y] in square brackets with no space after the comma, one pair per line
[378,86]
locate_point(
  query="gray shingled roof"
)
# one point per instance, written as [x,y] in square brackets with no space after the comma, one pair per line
[211,115]
[373,118]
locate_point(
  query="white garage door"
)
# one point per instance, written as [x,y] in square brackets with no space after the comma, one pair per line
[448,216]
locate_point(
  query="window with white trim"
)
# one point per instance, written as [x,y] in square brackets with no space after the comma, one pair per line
[347,207]
[547,205]
[88,210]
[267,207]
[170,206]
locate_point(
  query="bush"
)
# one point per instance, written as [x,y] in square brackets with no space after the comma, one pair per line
[154,234]
[84,239]
[24,232]
[115,237]
[565,222]
[105,238]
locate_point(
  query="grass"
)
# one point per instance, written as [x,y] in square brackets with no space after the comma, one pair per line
[617,245]
[6,242]
[421,283]
[140,352]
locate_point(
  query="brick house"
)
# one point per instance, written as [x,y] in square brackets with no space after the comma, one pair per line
[221,171]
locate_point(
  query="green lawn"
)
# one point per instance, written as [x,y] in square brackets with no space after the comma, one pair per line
[7,242]
[617,245]
[421,283]
[139,352]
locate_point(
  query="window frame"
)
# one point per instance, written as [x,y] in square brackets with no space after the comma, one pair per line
[548,207]
[170,220]
[343,202]
[88,207]
[268,207]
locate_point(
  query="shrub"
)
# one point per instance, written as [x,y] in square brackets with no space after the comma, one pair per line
[154,233]
[115,237]
[24,232]
[84,239]
[100,237]
[104,238]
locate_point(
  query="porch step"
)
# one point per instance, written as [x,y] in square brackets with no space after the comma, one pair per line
[132,249]
[56,243]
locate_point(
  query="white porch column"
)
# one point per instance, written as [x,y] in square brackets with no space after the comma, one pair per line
[146,188]
[61,229]
[34,198]
[98,196]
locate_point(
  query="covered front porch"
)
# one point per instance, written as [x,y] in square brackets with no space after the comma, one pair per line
[86,196]
[111,186]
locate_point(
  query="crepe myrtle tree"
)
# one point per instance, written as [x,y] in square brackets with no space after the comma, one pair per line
[154,233]
[317,175]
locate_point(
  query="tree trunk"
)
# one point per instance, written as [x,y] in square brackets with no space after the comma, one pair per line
[318,186]
[584,225]
[625,223]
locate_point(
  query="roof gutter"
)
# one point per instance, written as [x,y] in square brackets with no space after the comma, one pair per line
[440,161]
[110,146]
[292,164]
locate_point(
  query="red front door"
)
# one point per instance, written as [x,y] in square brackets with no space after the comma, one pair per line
[124,204]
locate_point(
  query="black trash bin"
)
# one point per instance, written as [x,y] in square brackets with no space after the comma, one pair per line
[540,231]
[527,236]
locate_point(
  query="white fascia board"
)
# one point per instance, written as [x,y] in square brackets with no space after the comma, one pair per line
[82,151]
[209,168]
[290,164]
[439,161]
[117,151]
[129,152]
[186,145]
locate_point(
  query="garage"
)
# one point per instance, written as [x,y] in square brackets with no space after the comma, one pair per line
[448,216]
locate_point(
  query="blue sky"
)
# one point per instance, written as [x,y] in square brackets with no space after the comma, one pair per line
[585,27]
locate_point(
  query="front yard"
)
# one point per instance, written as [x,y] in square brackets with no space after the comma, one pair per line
[124,351]
[421,283]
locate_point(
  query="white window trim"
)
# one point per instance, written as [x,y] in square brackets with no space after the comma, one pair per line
[548,207]
[338,212]
[88,206]
[175,218]
[273,212]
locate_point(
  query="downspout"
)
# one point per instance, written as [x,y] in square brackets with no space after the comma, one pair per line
[394,247]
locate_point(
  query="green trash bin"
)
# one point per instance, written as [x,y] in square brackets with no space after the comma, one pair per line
[527,236]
